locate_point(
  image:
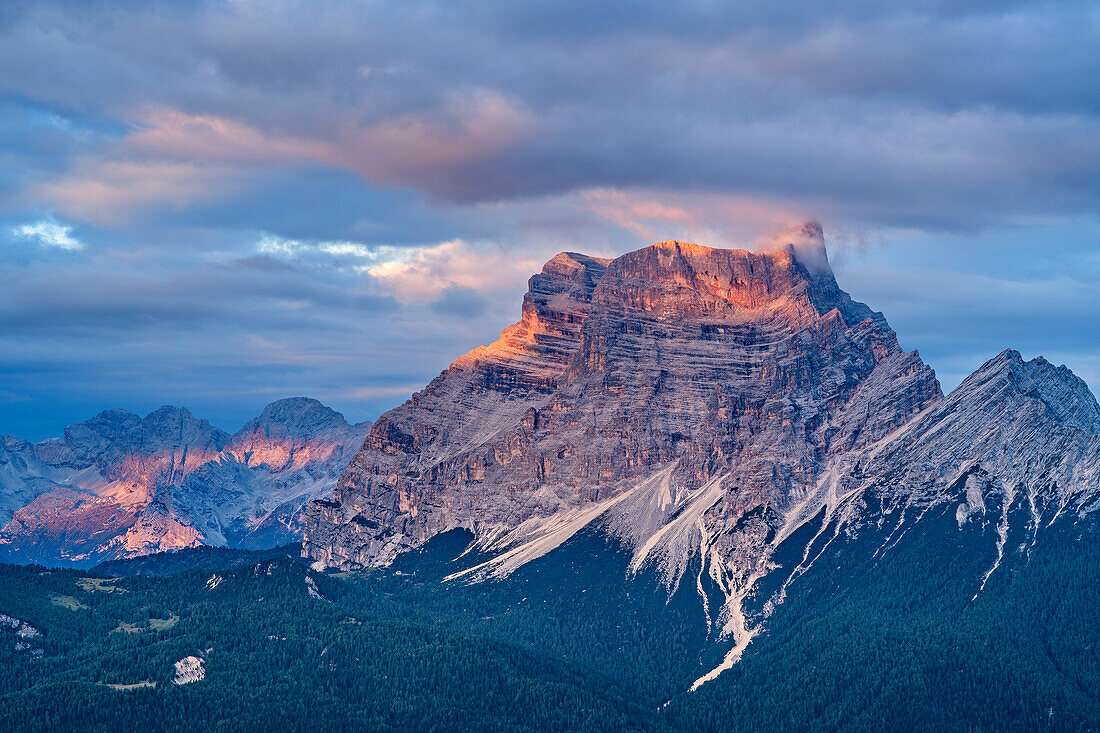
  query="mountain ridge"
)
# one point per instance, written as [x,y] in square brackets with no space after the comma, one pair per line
[119,485]
[703,405]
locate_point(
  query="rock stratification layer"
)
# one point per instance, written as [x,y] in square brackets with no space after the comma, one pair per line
[704,405]
[672,382]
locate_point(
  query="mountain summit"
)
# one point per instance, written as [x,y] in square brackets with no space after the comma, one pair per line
[702,405]
[738,371]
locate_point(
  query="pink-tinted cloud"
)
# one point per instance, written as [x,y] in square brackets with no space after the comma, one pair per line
[169,159]
[173,133]
[706,218]
[424,150]
[425,272]
[175,158]
[107,192]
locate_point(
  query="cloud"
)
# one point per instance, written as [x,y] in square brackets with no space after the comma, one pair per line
[109,192]
[332,181]
[49,234]
[399,390]
[269,244]
[925,115]
[738,222]
[346,249]
[807,241]
[171,158]
[448,273]
[715,219]
[460,302]
[168,159]
[961,305]
[644,217]
[435,151]
[171,132]
[354,255]
[427,272]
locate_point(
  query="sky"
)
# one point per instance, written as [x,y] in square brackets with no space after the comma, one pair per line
[216,205]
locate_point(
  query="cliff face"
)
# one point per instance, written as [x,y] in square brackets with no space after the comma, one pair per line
[704,406]
[743,372]
[1016,437]
[120,485]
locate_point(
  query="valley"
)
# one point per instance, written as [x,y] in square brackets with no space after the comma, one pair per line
[877,632]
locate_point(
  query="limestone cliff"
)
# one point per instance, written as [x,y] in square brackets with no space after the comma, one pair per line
[704,405]
[740,370]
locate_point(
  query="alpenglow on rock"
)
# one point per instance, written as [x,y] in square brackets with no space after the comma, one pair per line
[703,405]
[120,485]
[674,381]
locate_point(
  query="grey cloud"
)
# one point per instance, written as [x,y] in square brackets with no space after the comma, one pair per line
[408,125]
[961,308]
[906,113]
[221,338]
[107,293]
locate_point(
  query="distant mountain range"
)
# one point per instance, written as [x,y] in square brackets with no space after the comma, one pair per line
[120,485]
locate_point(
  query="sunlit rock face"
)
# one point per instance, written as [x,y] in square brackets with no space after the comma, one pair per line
[119,485]
[722,411]
[736,371]
[294,433]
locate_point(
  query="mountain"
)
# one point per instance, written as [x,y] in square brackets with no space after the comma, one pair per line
[691,490]
[120,485]
[693,366]
[727,416]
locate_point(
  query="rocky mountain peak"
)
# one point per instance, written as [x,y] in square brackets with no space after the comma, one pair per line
[1008,386]
[674,277]
[1030,426]
[297,416]
[535,352]
[292,433]
[119,484]
[743,371]
[581,268]
[1065,394]
[115,436]
[170,426]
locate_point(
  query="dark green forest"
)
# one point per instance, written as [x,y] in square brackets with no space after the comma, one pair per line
[865,640]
